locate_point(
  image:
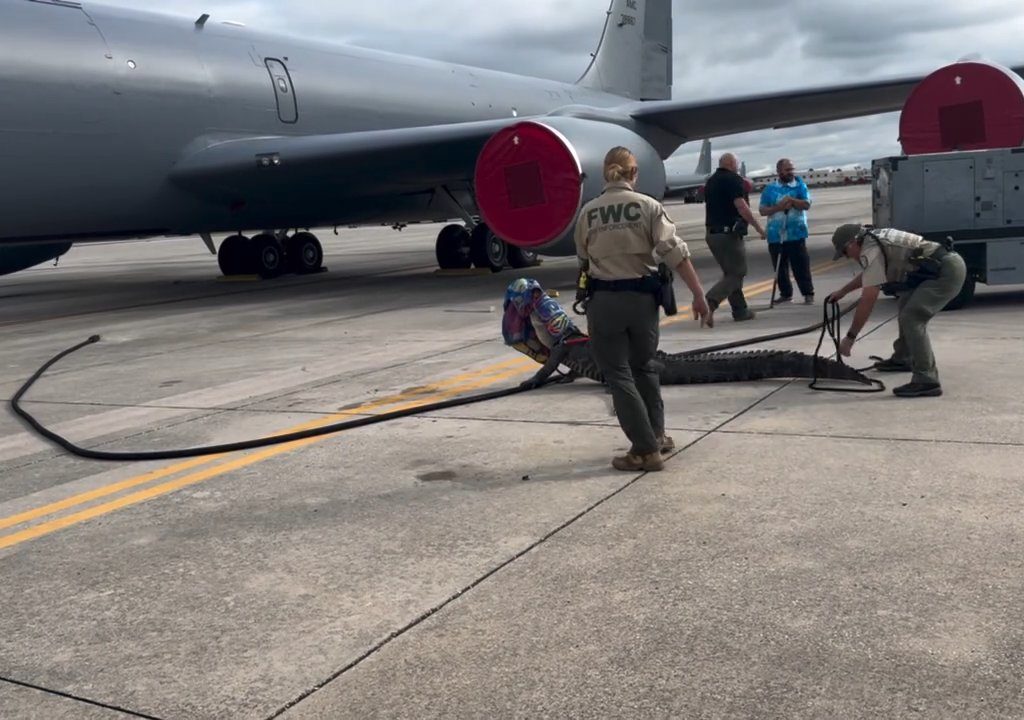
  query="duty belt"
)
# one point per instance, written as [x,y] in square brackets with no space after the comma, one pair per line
[648,284]
[721,229]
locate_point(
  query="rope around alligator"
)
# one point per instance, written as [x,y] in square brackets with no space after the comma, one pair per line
[710,364]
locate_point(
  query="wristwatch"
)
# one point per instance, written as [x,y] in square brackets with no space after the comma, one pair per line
[851,335]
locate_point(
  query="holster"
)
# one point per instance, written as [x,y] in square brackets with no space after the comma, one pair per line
[583,290]
[666,294]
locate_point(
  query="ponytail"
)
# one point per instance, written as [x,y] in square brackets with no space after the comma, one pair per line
[619,165]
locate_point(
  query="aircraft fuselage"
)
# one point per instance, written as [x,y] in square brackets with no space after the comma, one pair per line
[98,104]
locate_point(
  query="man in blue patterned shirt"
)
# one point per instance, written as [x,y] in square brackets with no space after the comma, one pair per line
[785,203]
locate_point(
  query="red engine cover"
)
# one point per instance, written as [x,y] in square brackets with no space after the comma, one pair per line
[964,106]
[528,184]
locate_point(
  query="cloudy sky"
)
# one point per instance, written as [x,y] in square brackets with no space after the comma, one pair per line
[723,48]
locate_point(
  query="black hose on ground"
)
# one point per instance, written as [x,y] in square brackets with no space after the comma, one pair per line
[828,324]
[227,447]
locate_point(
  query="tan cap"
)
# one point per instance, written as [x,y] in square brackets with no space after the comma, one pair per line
[843,236]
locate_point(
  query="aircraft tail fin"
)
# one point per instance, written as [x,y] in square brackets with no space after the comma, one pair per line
[634,56]
[704,160]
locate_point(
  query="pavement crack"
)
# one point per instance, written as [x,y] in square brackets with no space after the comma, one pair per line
[78,698]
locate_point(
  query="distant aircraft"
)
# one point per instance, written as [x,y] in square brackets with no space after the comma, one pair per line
[690,186]
[118,123]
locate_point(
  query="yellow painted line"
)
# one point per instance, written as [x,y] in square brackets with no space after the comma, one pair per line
[149,493]
[102,492]
[148,477]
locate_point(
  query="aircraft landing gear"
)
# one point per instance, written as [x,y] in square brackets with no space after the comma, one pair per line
[233,255]
[452,248]
[270,254]
[304,253]
[521,258]
[458,248]
[266,256]
[486,249]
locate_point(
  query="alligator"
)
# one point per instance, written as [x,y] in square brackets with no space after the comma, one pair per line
[687,368]
[538,327]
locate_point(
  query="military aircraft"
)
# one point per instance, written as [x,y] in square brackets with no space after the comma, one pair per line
[690,186]
[118,123]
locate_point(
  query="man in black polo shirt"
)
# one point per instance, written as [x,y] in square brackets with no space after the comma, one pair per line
[727,216]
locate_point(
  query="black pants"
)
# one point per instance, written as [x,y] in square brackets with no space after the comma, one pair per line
[792,254]
[624,333]
[730,252]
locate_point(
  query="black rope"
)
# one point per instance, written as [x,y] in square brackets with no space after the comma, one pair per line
[766,338]
[831,325]
[228,447]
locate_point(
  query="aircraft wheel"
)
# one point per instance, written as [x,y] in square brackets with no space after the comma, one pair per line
[486,249]
[267,256]
[452,248]
[232,255]
[521,258]
[304,253]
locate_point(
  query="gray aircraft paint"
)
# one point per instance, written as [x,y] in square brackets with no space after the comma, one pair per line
[121,123]
[679,182]
[99,104]
[98,107]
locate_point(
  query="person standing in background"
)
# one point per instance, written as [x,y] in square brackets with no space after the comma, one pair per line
[726,218]
[785,203]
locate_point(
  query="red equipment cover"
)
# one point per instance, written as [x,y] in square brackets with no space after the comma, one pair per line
[969,105]
[528,184]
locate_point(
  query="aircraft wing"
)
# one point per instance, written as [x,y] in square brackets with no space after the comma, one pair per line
[738,114]
[344,164]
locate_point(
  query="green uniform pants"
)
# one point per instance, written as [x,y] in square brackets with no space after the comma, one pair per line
[730,252]
[624,332]
[919,306]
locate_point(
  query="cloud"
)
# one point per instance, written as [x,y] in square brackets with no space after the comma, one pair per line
[728,48]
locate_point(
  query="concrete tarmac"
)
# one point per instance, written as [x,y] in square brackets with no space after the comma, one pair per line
[803,555]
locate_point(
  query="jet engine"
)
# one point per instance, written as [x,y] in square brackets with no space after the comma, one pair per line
[533,177]
[19,257]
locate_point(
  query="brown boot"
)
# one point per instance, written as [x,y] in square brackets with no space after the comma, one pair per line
[651,462]
[666,444]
